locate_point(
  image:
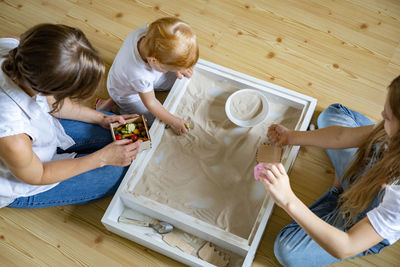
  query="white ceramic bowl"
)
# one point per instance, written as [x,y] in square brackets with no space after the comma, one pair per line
[253,121]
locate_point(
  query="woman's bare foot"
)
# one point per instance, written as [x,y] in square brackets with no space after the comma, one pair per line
[106,105]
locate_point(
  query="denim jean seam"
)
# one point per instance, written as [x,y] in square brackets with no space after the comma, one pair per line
[20,203]
[344,109]
[346,112]
[351,115]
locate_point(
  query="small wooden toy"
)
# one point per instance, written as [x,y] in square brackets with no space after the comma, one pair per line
[214,256]
[135,129]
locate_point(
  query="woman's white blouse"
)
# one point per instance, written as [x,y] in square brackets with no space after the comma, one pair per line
[22,114]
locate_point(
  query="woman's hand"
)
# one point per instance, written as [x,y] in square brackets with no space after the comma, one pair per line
[276,182]
[107,119]
[118,153]
[187,73]
[179,126]
[278,134]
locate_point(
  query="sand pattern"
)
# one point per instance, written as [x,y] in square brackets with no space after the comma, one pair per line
[208,173]
[246,106]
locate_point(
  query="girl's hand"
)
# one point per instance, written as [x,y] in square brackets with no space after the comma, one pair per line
[179,126]
[276,182]
[107,119]
[187,73]
[278,134]
[119,153]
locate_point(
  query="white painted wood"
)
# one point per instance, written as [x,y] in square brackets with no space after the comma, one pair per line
[187,223]
[137,235]
[257,237]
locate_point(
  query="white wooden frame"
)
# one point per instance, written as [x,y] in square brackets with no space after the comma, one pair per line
[123,199]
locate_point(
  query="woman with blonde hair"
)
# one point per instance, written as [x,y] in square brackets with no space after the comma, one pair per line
[54,151]
[360,214]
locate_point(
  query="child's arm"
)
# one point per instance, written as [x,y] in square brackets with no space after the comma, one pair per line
[336,242]
[154,106]
[74,111]
[336,137]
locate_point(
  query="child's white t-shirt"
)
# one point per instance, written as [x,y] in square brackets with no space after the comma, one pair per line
[386,217]
[129,74]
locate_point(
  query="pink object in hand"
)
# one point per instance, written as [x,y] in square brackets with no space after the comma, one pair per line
[257,171]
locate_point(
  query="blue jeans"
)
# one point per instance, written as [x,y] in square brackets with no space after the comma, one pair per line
[293,246]
[85,187]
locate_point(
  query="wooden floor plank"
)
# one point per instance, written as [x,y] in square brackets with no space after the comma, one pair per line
[344,51]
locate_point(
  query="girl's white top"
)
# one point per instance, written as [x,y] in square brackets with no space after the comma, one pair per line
[386,217]
[22,114]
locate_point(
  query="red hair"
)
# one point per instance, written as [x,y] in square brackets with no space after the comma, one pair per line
[172,42]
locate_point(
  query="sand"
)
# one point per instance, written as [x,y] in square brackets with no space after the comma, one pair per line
[246,106]
[208,173]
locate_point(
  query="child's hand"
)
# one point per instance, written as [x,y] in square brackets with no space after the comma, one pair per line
[107,119]
[179,126]
[276,182]
[187,73]
[278,134]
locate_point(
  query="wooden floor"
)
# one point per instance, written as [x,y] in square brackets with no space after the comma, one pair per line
[333,50]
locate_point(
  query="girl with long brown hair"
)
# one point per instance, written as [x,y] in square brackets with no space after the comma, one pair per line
[54,151]
[360,214]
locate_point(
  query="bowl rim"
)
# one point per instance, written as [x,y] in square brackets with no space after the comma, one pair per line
[254,121]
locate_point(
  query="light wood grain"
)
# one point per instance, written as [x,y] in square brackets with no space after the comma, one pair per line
[335,51]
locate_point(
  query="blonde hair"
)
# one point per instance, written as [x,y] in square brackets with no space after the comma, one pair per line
[385,171]
[172,42]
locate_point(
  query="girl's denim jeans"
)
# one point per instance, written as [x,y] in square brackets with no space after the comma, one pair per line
[293,247]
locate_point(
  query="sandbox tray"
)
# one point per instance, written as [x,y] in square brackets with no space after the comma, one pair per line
[203,212]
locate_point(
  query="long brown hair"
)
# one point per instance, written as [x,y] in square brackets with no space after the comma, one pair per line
[56,60]
[172,42]
[385,171]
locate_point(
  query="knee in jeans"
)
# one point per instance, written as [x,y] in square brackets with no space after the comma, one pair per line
[284,252]
[323,118]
